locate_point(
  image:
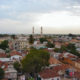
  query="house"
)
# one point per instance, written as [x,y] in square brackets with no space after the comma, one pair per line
[10,43]
[48,74]
[54,61]
[3,58]
[55,55]
[3,65]
[57,45]
[77,44]
[24,53]
[3,55]
[20,44]
[54,72]
[22,77]
[15,55]
[10,72]
[76,76]
[2,51]
[77,64]
[74,41]
[68,55]
[78,49]
[38,46]
[6,60]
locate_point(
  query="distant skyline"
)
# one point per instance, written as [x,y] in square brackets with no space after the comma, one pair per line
[55,16]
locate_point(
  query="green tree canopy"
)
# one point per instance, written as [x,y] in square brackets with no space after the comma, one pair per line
[50,45]
[69,48]
[4,35]
[13,36]
[17,66]
[1,73]
[31,39]
[30,79]
[72,35]
[42,40]
[35,60]
[4,45]
[57,49]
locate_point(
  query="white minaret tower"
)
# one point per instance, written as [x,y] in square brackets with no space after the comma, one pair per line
[33,30]
[41,31]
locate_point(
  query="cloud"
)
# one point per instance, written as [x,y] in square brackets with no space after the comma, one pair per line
[59,20]
[53,22]
[29,17]
[20,15]
[12,26]
[4,7]
[75,9]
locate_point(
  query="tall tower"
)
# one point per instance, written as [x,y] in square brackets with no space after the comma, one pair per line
[33,30]
[41,31]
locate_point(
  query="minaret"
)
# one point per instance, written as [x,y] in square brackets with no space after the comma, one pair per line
[33,30]
[41,31]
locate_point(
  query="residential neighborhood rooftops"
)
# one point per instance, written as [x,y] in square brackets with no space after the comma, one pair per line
[54,61]
[2,55]
[14,52]
[53,71]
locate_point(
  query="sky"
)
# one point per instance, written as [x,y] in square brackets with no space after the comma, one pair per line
[55,16]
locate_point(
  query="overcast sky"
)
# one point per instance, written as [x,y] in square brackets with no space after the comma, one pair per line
[56,16]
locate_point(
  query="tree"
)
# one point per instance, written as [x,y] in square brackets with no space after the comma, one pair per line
[50,45]
[13,36]
[72,49]
[63,48]
[1,73]
[42,40]
[31,39]
[17,66]
[57,49]
[71,46]
[4,35]
[72,35]
[30,79]
[35,61]
[4,45]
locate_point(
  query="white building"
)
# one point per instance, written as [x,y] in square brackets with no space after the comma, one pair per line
[16,58]
[11,73]
[5,59]
[20,44]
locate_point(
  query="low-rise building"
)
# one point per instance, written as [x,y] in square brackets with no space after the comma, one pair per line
[10,73]
[15,56]
[20,44]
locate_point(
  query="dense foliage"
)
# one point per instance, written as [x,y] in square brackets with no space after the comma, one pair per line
[17,66]
[42,40]
[1,73]
[35,61]
[4,45]
[50,45]
[4,35]
[69,48]
[13,36]
[30,79]
[31,39]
